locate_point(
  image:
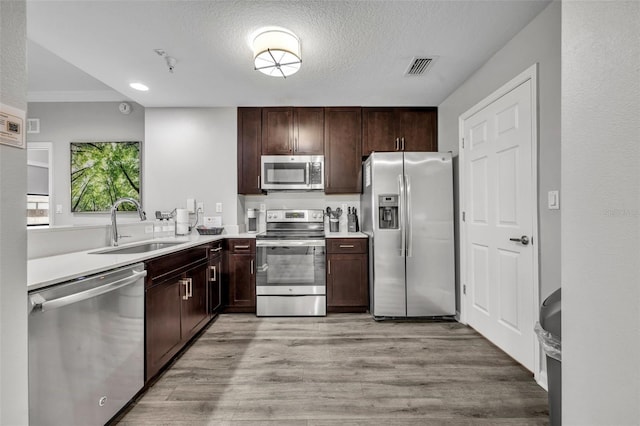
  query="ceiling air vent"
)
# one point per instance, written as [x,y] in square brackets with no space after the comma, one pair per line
[418,66]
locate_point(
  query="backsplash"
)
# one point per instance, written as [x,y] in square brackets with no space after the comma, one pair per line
[299,200]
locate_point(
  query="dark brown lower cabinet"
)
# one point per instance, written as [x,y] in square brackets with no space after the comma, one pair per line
[241,277]
[216,257]
[347,275]
[175,305]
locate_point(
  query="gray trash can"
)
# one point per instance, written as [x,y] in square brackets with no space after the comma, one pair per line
[550,336]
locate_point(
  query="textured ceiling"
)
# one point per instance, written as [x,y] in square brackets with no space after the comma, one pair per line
[353,52]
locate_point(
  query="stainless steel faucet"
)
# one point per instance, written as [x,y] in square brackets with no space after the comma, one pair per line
[114,208]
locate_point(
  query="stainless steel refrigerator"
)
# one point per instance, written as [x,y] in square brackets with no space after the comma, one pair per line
[407,212]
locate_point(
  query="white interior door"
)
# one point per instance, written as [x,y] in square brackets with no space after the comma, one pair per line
[499,224]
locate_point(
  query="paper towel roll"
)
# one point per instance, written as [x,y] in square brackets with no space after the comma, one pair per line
[182,221]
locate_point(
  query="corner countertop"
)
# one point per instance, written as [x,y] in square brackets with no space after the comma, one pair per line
[46,271]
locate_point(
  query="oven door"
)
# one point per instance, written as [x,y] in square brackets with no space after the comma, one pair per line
[290,278]
[290,267]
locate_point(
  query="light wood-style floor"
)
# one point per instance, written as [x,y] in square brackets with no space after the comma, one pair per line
[344,369]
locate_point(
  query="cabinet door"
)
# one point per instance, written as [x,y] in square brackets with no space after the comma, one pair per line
[347,282]
[277,131]
[194,303]
[379,130]
[308,131]
[342,150]
[249,146]
[419,129]
[162,322]
[215,284]
[242,281]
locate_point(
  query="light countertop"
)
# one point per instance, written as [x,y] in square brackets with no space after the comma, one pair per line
[46,271]
[328,234]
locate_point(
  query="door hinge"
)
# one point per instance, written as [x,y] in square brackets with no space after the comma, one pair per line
[464,289]
[464,216]
[462,143]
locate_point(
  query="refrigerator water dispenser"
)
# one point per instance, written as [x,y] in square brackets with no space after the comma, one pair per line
[388,211]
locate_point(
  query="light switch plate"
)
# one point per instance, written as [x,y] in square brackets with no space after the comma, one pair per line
[58,208]
[553,200]
[218,207]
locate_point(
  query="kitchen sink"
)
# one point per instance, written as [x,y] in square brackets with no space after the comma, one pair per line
[139,248]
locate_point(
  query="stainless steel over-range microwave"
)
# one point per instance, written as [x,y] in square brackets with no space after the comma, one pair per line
[292,172]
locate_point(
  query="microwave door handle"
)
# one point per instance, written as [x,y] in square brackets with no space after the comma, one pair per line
[308,179]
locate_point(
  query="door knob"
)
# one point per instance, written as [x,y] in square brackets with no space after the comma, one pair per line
[524,240]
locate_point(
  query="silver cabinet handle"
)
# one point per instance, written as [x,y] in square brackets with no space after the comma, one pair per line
[251,266]
[258,181]
[185,283]
[241,247]
[190,286]
[213,268]
[397,144]
[329,267]
[524,240]
[45,305]
[402,143]
[215,250]
[347,246]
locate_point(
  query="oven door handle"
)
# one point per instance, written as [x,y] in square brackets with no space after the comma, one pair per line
[290,243]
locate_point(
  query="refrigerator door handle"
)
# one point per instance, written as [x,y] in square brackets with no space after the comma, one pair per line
[409,216]
[401,213]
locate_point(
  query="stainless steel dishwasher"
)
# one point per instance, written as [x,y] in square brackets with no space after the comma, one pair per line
[86,347]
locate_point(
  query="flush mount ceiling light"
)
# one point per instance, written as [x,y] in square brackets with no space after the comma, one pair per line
[139,86]
[276,52]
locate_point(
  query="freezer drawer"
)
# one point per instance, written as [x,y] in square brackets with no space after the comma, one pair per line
[291,306]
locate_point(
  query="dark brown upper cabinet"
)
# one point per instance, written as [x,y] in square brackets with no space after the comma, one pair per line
[292,131]
[342,150]
[249,146]
[399,129]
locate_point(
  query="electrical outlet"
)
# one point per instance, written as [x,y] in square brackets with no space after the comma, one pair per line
[58,208]
[263,207]
[218,207]
[201,206]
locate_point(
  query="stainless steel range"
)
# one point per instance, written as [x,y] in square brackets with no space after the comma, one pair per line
[290,279]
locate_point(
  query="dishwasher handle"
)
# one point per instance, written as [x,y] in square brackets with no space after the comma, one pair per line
[39,303]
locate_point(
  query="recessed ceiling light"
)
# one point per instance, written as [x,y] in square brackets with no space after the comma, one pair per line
[139,86]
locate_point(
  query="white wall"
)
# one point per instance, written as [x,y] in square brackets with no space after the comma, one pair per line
[601,213]
[13,230]
[65,122]
[191,153]
[538,42]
